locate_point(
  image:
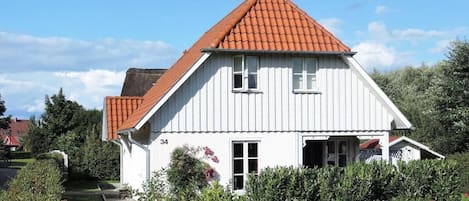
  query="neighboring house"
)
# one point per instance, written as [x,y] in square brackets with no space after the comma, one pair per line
[400,149]
[11,137]
[266,86]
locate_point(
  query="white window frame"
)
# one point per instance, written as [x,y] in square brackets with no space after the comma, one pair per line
[336,153]
[304,76]
[245,74]
[245,159]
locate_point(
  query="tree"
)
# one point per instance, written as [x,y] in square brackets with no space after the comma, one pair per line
[452,100]
[4,121]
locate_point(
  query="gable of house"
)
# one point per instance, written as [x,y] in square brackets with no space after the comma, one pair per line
[272,27]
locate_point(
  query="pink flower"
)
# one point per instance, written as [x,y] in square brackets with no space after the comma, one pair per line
[209,173]
[215,159]
[208,151]
[466,195]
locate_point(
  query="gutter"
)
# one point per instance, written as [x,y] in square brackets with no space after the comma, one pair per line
[145,148]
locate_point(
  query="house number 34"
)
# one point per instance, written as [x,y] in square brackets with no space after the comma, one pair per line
[164,141]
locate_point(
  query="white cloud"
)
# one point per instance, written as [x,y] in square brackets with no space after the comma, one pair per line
[378,31]
[415,34]
[441,46]
[331,24]
[24,92]
[19,52]
[375,55]
[381,9]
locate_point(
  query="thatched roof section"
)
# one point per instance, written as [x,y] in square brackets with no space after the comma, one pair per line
[138,81]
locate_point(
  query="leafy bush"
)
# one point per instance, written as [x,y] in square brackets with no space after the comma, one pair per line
[186,173]
[463,160]
[58,158]
[153,189]
[39,180]
[437,179]
[417,180]
[282,183]
[100,159]
[216,192]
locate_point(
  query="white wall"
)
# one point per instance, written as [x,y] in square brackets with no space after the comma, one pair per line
[274,149]
[408,152]
[133,166]
[206,103]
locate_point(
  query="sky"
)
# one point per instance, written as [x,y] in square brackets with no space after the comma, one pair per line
[86,46]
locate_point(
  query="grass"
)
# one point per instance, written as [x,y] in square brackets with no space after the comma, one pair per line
[20,163]
[81,185]
[82,198]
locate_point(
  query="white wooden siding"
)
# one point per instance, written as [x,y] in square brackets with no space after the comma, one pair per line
[206,102]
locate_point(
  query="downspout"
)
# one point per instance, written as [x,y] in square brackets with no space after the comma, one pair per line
[147,153]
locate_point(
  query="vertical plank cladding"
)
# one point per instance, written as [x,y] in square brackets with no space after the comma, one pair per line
[206,102]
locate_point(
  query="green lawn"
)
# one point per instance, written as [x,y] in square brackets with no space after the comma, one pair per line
[81,185]
[20,163]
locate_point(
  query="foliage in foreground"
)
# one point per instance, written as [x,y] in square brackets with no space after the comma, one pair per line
[39,180]
[463,160]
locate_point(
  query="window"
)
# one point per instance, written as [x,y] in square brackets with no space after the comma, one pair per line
[337,152]
[245,161]
[245,74]
[304,74]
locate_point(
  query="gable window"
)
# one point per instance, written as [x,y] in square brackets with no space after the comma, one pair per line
[245,161]
[304,74]
[245,72]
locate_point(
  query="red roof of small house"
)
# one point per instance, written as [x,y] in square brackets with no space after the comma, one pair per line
[255,25]
[17,129]
[118,109]
[374,143]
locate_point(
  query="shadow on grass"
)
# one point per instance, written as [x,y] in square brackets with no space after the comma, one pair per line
[82,198]
[81,185]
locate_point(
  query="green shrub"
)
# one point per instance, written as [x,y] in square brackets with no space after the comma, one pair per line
[437,179]
[58,158]
[463,160]
[216,192]
[153,189]
[417,180]
[39,180]
[185,174]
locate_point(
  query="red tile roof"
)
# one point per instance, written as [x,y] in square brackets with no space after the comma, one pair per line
[260,25]
[374,143]
[117,110]
[17,129]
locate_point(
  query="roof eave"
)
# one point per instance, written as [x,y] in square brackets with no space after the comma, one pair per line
[247,51]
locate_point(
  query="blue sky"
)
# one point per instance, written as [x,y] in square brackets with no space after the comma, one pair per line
[86,46]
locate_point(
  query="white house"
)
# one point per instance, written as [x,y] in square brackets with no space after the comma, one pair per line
[400,149]
[265,86]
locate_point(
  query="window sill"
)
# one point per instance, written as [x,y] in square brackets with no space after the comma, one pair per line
[301,91]
[253,91]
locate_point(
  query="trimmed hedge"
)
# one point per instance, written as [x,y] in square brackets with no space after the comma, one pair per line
[417,180]
[39,180]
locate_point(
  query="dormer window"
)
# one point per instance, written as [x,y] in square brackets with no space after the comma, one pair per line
[245,72]
[304,74]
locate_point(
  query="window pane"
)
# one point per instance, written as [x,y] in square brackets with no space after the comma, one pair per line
[311,81]
[310,65]
[252,81]
[238,64]
[330,147]
[238,150]
[297,81]
[238,166]
[252,149]
[237,81]
[297,65]
[251,63]
[342,160]
[342,147]
[238,182]
[252,166]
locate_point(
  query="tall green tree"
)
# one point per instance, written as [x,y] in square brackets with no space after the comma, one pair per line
[452,100]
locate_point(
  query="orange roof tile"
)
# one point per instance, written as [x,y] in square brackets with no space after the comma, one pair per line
[117,110]
[257,25]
